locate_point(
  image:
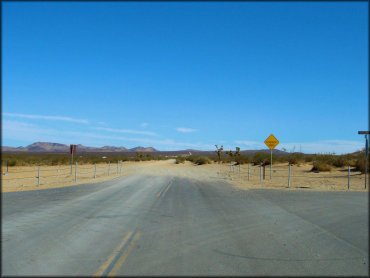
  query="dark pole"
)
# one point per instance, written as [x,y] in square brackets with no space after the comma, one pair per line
[366,152]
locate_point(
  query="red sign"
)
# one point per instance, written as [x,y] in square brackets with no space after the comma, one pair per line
[72,148]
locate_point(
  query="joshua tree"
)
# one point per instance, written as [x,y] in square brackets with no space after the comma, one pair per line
[219,151]
[231,154]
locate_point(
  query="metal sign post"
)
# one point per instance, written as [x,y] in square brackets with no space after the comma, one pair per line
[72,150]
[271,142]
[271,165]
[366,152]
[76,172]
[349,176]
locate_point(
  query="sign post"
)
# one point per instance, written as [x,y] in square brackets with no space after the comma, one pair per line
[72,150]
[366,152]
[271,142]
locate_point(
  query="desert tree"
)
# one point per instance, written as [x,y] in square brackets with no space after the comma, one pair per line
[219,151]
[231,154]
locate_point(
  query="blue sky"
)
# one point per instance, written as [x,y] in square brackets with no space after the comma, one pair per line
[186,75]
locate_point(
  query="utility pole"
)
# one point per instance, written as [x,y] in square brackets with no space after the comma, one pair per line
[366,152]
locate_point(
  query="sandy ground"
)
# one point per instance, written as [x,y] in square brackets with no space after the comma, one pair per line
[22,178]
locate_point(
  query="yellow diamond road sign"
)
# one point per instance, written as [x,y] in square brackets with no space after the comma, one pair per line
[271,142]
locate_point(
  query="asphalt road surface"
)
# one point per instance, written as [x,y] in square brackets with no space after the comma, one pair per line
[166,225]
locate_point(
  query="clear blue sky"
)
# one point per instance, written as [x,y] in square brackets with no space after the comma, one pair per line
[186,75]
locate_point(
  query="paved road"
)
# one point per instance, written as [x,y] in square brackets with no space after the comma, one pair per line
[164,225]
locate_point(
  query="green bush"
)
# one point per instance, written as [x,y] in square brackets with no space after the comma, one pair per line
[203,160]
[12,163]
[360,163]
[244,159]
[340,161]
[308,158]
[199,160]
[321,167]
[295,158]
[259,157]
[180,159]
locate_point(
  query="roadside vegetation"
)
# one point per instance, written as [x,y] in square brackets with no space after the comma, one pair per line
[29,159]
[320,162]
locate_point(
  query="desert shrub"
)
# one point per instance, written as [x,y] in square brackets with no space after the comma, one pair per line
[295,158]
[180,159]
[202,160]
[340,161]
[213,158]
[321,167]
[12,163]
[54,161]
[308,158]
[259,157]
[20,163]
[359,163]
[244,159]
[324,158]
[199,160]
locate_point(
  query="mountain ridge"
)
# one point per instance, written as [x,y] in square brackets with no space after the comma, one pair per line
[59,148]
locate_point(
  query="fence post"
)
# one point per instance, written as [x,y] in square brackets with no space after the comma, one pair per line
[117,167]
[95,171]
[261,174]
[239,169]
[7,166]
[349,175]
[38,183]
[289,176]
[264,167]
[248,171]
[233,169]
[230,166]
[108,167]
[76,172]
[271,165]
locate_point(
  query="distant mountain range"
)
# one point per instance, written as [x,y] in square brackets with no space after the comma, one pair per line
[56,147]
[61,148]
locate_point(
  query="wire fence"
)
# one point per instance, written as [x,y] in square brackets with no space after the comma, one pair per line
[294,176]
[47,175]
[345,178]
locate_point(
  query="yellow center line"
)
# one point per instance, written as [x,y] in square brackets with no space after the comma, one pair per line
[124,255]
[113,255]
[166,190]
[159,193]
